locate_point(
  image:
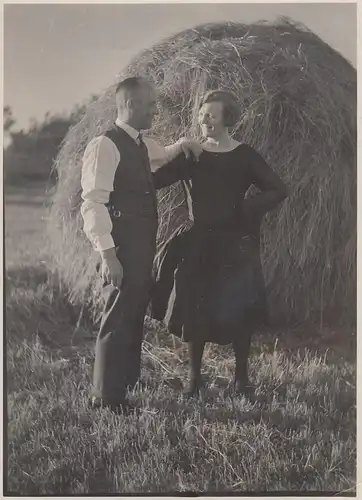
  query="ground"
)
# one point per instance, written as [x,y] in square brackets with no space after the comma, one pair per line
[299,434]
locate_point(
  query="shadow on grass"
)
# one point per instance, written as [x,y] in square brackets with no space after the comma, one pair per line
[37,304]
[335,343]
[26,276]
[30,202]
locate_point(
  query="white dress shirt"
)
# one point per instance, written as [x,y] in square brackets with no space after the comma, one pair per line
[100,161]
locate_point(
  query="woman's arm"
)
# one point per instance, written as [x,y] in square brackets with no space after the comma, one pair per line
[159,155]
[175,170]
[273,190]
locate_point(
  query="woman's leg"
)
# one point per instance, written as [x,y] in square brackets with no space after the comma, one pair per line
[196,350]
[242,349]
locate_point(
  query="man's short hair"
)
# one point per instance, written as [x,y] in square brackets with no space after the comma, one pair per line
[231,107]
[126,88]
[131,83]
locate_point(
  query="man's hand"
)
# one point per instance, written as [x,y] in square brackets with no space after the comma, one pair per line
[112,271]
[190,147]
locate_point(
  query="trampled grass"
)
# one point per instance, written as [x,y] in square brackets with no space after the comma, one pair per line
[299,434]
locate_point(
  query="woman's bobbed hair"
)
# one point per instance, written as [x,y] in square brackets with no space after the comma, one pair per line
[231,107]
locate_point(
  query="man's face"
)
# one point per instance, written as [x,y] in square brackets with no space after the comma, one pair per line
[144,107]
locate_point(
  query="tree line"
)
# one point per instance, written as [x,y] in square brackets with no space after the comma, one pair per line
[29,154]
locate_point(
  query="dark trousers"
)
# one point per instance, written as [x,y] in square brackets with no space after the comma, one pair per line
[118,345]
[169,258]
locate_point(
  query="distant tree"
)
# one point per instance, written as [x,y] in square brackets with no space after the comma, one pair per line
[30,154]
[8,119]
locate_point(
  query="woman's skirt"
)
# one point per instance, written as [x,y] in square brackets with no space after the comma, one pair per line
[210,285]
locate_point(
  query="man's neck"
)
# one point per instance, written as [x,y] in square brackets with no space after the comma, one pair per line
[129,122]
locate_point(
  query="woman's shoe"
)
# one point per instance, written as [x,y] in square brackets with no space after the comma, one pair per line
[242,388]
[193,389]
[119,408]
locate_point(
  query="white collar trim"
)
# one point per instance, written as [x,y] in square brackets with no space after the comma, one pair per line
[127,128]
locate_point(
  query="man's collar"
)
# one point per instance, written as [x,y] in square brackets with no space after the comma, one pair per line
[127,128]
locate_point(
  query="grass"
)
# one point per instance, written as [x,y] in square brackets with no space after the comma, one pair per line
[299,434]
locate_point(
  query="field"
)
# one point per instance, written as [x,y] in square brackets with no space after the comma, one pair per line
[299,434]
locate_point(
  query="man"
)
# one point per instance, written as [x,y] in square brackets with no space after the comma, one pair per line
[120,219]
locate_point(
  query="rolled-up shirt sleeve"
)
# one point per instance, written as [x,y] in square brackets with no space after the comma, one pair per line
[159,155]
[100,161]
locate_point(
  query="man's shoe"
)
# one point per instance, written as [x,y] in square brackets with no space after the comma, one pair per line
[120,408]
[193,389]
[174,382]
[138,385]
[244,389]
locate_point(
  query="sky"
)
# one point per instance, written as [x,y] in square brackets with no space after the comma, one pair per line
[58,55]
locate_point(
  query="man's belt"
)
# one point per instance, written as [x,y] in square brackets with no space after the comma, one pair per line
[116,213]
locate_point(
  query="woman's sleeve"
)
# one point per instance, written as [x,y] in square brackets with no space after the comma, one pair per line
[272,189]
[175,170]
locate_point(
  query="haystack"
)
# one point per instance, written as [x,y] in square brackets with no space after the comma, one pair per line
[298,102]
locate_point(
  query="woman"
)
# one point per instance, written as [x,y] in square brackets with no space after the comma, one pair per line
[218,294]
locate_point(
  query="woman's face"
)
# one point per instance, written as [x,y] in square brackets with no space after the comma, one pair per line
[211,119]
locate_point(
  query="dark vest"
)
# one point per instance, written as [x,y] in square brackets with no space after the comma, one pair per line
[134,194]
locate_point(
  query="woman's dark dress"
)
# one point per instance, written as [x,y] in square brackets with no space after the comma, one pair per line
[217,291]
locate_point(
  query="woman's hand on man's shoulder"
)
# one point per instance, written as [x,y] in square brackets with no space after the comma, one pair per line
[190,148]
